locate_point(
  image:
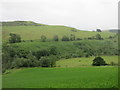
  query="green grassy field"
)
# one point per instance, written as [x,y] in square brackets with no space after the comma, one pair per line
[80,62]
[84,77]
[35,32]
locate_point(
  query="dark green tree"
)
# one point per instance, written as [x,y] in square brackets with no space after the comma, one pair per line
[14,38]
[98,61]
[44,62]
[65,38]
[98,37]
[43,38]
[72,37]
[53,50]
[55,38]
[99,30]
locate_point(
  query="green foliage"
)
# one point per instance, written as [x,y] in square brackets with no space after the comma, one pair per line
[43,38]
[99,30]
[55,38]
[53,50]
[98,61]
[48,61]
[65,38]
[78,39]
[98,37]
[14,38]
[72,37]
[29,61]
[41,53]
[71,49]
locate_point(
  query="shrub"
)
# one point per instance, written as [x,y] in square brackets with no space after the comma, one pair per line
[98,37]
[98,61]
[78,39]
[53,50]
[65,38]
[99,30]
[43,38]
[55,38]
[14,38]
[44,62]
[113,63]
[72,37]
[41,53]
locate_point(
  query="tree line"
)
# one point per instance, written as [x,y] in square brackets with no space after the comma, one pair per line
[15,38]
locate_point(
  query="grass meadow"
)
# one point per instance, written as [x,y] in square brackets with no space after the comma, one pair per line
[35,32]
[83,61]
[82,77]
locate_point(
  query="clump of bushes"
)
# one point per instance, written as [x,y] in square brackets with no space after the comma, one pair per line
[65,38]
[55,38]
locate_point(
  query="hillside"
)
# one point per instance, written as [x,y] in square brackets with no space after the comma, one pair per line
[32,31]
[80,62]
[113,30]
[20,23]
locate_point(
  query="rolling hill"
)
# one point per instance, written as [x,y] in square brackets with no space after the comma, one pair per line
[29,30]
[113,30]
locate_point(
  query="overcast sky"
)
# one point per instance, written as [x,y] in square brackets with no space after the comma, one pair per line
[81,14]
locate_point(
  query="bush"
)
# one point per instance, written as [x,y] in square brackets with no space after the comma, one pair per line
[41,53]
[53,50]
[44,62]
[72,37]
[55,38]
[53,60]
[14,38]
[98,37]
[65,38]
[113,64]
[43,38]
[98,61]
[78,39]
[99,30]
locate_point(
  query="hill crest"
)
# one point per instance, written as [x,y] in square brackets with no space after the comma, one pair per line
[21,23]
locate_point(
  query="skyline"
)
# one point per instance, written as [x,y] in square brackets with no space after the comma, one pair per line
[80,14]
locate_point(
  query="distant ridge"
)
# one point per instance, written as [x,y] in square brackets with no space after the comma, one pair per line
[115,30]
[21,23]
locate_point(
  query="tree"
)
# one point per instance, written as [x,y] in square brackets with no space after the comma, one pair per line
[43,38]
[32,60]
[98,61]
[44,62]
[53,60]
[72,37]
[98,37]
[53,50]
[14,38]
[65,38]
[110,37]
[99,30]
[41,53]
[55,38]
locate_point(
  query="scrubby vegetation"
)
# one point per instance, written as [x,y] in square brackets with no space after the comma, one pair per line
[39,53]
